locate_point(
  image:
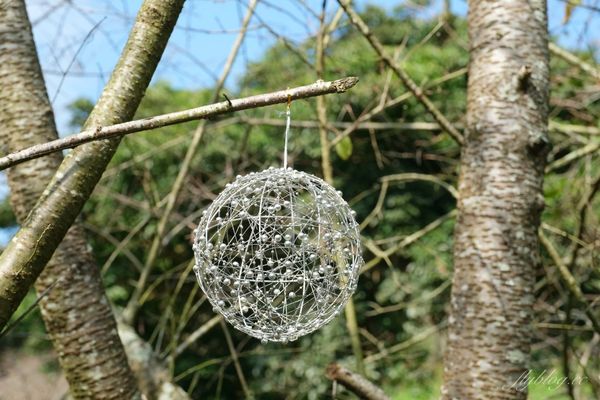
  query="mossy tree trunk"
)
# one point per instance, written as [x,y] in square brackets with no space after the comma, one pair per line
[76,312]
[496,249]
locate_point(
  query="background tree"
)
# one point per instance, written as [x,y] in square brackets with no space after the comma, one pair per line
[74,306]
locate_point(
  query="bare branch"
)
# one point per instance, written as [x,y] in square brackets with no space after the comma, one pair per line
[356,383]
[367,125]
[589,148]
[417,338]
[569,280]
[236,361]
[408,240]
[571,128]
[197,334]
[400,73]
[134,301]
[316,89]
[574,60]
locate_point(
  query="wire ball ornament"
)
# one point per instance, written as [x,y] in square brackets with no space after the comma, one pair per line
[278,253]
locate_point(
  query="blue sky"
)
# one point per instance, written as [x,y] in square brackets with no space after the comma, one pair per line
[201,41]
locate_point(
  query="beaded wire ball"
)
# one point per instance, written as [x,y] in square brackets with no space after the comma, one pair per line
[278,253]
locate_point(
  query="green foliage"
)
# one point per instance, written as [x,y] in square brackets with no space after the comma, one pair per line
[400,296]
[80,109]
[297,369]
[29,332]
[7,217]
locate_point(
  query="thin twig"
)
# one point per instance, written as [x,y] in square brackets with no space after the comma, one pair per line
[236,360]
[572,128]
[400,73]
[574,60]
[29,309]
[591,147]
[134,301]
[81,46]
[419,337]
[569,280]
[197,334]
[412,176]
[408,240]
[367,125]
[204,112]
[378,310]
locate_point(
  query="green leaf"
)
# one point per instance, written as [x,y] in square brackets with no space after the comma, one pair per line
[344,148]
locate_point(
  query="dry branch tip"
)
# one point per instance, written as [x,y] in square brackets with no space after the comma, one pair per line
[341,85]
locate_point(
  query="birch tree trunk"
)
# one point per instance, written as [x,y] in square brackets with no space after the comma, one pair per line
[496,249]
[77,314]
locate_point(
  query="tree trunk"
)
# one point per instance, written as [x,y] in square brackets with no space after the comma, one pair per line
[46,225]
[496,247]
[76,311]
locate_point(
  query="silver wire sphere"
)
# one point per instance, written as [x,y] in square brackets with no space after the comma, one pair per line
[278,254]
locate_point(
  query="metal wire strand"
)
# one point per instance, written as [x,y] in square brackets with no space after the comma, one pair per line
[288,121]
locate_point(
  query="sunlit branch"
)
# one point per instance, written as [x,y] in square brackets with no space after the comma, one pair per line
[316,89]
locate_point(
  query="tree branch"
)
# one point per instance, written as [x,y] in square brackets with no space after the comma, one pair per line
[134,302]
[400,73]
[367,125]
[89,135]
[574,60]
[569,280]
[589,148]
[356,383]
[46,225]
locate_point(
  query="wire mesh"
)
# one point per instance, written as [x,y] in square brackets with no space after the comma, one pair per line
[278,254]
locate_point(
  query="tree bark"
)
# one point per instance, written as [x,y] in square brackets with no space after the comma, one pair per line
[153,378]
[76,311]
[496,247]
[27,253]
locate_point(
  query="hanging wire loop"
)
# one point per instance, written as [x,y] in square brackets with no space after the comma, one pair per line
[288,121]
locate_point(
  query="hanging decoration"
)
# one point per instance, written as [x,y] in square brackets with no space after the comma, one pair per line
[278,253]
